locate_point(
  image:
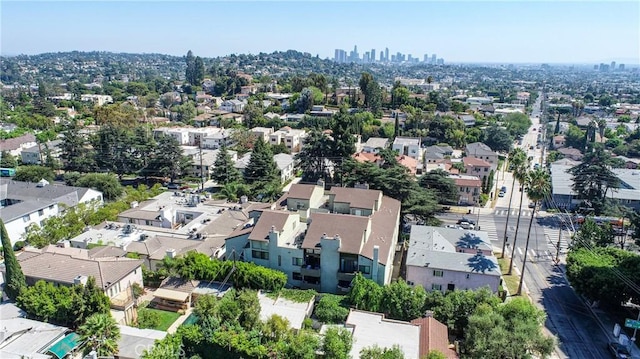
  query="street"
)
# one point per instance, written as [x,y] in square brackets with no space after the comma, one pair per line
[579,334]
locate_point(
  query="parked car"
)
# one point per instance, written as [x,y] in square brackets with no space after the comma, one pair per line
[173,186]
[503,189]
[619,351]
[501,194]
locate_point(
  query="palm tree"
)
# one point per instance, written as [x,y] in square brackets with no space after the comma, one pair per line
[520,174]
[100,333]
[517,159]
[538,188]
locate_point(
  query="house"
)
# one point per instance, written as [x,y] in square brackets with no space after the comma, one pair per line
[375,144]
[447,259]
[469,189]
[224,136]
[320,111]
[291,138]
[469,120]
[203,162]
[414,167]
[476,167]
[408,146]
[559,141]
[363,157]
[98,100]
[286,166]
[415,339]
[481,151]
[35,155]
[16,145]
[180,134]
[628,193]
[24,204]
[263,132]
[115,276]
[364,224]
[236,106]
[630,163]
[571,153]
[479,101]
[25,338]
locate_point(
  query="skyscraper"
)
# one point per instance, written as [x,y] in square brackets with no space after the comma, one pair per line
[386,54]
[373,55]
[433,59]
[426,58]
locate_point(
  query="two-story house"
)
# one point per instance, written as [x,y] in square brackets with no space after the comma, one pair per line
[476,167]
[352,230]
[375,144]
[483,152]
[37,154]
[408,146]
[469,189]
[236,106]
[448,259]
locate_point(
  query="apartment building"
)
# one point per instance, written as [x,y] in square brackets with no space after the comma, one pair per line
[349,231]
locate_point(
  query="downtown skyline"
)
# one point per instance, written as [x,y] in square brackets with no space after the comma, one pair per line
[482,32]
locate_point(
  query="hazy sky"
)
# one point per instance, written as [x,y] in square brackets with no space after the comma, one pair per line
[496,31]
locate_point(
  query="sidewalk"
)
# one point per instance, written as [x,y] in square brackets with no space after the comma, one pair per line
[605,322]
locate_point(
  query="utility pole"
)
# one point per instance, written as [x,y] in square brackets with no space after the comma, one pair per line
[201,167]
[558,245]
[635,306]
[526,250]
[515,235]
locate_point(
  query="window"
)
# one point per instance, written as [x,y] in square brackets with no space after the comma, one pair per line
[260,255]
[296,276]
[436,287]
[148,222]
[365,269]
[41,212]
[279,261]
[297,262]
[468,275]
[438,273]
[260,245]
[26,218]
[51,207]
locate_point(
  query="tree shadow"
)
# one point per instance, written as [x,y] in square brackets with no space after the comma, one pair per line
[469,240]
[480,263]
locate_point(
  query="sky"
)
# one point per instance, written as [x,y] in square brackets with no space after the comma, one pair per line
[458,31]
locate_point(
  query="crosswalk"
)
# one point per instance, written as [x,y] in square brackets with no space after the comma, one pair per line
[553,234]
[514,213]
[488,225]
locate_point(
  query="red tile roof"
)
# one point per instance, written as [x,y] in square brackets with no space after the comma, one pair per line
[476,162]
[434,336]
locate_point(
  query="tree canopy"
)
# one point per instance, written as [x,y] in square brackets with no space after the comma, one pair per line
[14,280]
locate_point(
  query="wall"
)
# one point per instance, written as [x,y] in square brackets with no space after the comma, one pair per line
[125,283]
[329,264]
[424,276]
[16,229]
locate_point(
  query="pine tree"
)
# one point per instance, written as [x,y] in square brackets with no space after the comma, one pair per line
[14,280]
[224,172]
[261,167]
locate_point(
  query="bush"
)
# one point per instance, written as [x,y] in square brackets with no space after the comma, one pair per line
[483,199]
[148,318]
[18,245]
[330,309]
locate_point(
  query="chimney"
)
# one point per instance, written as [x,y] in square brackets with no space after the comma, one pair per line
[171,253]
[80,279]
[320,183]
[374,265]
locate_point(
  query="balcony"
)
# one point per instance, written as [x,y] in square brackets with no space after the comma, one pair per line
[346,276]
[307,270]
[122,301]
[307,285]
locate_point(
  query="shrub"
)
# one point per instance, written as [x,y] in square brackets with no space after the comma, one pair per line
[148,318]
[330,309]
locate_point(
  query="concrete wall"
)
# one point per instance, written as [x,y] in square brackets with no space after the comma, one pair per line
[125,283]
[236,243]
[424,276]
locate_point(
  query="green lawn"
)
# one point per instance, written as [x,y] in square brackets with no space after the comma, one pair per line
[166,318]
[512,280]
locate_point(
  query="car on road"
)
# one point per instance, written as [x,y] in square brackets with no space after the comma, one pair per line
[173,186]
[619,351]
[530,147]
[503,189]
[501,194]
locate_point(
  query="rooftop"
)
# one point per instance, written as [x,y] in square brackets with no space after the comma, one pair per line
[356,197]
[371,329]
[294,312]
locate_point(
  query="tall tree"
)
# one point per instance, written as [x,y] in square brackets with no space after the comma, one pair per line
[198,71]
[593,178]
[225,172]
[14,280]
[261,167]
[366,79]
[517,161]
[76,153]
[168,160]
[313,156]
[100,333]
[538,188]
[190,72]
[519,174]
[444,187]
[115,150]
[337,343]
[34,173]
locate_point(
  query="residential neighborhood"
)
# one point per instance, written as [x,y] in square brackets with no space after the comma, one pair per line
[221,201]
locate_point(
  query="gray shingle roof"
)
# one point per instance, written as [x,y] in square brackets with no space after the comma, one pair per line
[62,268]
